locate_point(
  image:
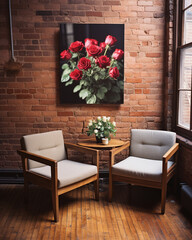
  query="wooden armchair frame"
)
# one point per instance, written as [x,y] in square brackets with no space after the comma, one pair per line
[166,174]
[52,183]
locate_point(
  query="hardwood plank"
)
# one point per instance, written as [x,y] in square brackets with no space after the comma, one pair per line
[114,222]
[126,207]
[84,215]
[98,217]
[79,214]
[10,218]
[90,229]
[69,218]
[63,215]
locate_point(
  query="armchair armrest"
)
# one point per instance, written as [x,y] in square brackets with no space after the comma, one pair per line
[170,152]
[93,152]
[37,158]
[115,151]
[118,150]
[81,148]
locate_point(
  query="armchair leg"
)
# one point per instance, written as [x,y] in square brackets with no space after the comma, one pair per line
[96,186]
[163,198]
[55,201]
[110,187]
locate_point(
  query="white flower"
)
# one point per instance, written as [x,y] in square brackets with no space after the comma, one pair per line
[104,119]
[90,123]
[95,131]
[99,123]
[108,118]
[99,118]
[114,123]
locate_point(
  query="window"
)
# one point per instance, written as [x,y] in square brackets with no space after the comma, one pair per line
[184,69]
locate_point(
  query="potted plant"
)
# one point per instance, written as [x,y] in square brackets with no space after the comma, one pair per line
[102,128]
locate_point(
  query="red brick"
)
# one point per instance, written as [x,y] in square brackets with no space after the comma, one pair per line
[23,96]
[138,91]
[38,108]
[31,36]
[112,3]
[65,114]
[153,55]
[94,13]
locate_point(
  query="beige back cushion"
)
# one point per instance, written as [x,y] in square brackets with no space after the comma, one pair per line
[151,144]
[49,144]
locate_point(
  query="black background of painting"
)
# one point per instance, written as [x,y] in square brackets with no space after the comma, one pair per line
[82,31]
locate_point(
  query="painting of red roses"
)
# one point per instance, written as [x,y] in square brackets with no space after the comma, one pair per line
[92,63]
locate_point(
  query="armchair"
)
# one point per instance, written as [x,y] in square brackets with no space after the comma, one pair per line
[45,162]
[150,164]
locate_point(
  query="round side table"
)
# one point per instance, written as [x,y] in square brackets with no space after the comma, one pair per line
[113,143]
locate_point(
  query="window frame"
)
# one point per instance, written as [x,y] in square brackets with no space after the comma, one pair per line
[178,47]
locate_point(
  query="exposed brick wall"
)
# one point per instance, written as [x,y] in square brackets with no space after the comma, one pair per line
[30,100]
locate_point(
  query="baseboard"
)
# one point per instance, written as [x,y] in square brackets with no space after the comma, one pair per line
[11,176]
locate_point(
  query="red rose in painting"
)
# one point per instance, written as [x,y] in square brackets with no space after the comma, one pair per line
[114,72]
[76,74]
[66,55]
[76,46]
[110,40]
[84,63]
[102,45]
[93,50]
[103,61]
[89,41]
[118,54]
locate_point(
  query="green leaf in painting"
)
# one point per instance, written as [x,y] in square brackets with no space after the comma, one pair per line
[92,100]
[84,93]
[101,92]
[69,83]
[64,66]
[65,78]
[77,88]
[120,84]
[102,74]
[67,71]
[82,82]
[96,77]
[74,55]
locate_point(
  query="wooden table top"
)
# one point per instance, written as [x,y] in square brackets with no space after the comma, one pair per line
[93,144]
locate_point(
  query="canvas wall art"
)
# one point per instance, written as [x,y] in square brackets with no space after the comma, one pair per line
[91,63]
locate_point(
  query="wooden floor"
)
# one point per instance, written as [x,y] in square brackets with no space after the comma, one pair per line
[81,217]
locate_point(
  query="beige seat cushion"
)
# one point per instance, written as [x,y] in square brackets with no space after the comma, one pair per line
[140,168]
[69,172]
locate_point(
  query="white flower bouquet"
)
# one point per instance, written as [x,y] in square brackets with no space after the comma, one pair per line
[102,128]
